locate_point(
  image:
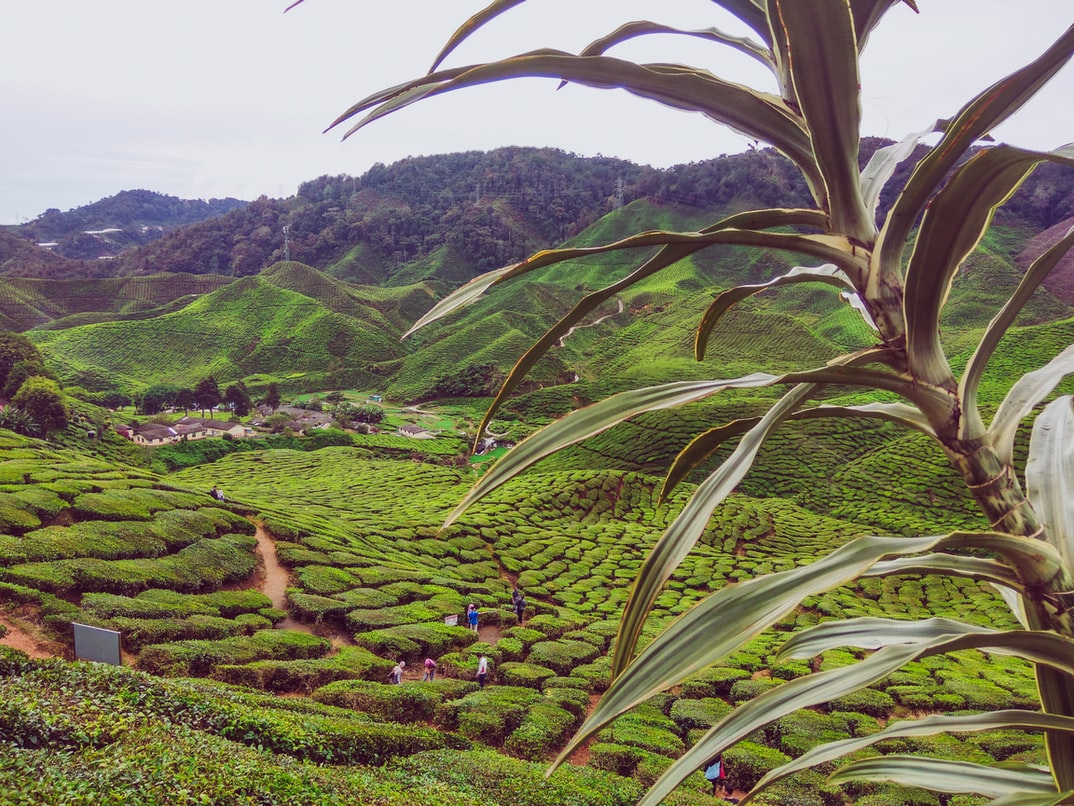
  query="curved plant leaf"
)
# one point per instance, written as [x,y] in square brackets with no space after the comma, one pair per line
[823,61]
[1023,397]
[1050,474]
[926,726]
[638,28]
[725,300]
[704,445]
[881,167]
[997,328]
[953,225]
[743,229]
[741,612]
[809,690]
[757,114]
[947,776]
[974,121]
[949,565]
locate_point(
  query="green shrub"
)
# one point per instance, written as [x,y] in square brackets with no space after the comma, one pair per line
[502,706]
[562,656]
[305,675]
[618,758]
[743,690]
[524,674]
[544,728]
[747,762]
[713,682]
[865,701]
[194,658]
[702,713]
[569,699]
[413,702]
[496,778]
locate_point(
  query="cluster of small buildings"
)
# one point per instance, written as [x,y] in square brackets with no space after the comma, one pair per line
[185,428]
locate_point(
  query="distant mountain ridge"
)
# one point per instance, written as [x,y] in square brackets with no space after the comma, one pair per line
[469,212]
[129,218]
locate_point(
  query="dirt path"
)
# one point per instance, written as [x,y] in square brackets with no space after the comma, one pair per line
[594,323]
[19,638]
[272,580]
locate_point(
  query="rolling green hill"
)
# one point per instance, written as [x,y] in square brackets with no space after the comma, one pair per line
[94,530]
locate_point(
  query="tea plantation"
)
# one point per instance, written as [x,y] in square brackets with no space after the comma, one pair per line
[195,715]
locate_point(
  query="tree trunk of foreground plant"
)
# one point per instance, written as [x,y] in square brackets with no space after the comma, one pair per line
[994,485]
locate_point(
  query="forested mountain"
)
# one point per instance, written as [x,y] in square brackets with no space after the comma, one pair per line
[316,291]
[482,209]
[129,218]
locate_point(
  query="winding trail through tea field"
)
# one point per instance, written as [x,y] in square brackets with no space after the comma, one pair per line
[18,638]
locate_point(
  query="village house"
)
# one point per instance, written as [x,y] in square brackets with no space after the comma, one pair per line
[213,428]
[414,432]
[186,428]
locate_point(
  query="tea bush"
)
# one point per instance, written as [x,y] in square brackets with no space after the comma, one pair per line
[544,728]
[194,658]
[306,674]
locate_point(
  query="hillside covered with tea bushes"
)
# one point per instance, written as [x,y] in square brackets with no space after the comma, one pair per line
[259,632]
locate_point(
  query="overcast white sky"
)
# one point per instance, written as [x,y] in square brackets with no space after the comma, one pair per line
[214,98]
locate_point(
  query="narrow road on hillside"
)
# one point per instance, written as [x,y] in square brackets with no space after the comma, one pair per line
[594,323]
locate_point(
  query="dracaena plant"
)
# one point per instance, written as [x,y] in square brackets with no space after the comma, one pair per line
[897,271]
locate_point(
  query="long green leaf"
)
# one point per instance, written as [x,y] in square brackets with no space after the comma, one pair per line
[667,256]
[949,565]
[743,229]
[872,632]
[1023,397]
[757,114]
[947,776]
[688,526]
[598,417]
[823,52]
[802,692]
[997,328]
[926,726]
[730,618]
[591,420]
[1050,474]
[725,300]
[881,168]
[905,643]
[974,121]
[953,225]
[749,12]
[638,28]
[485,15]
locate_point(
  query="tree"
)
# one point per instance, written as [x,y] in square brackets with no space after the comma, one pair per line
[897,271]
[42,400]
[238,399]
[157,398]
[20,371]
[207,395]
[185,400]
[272,397]
[13,349]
